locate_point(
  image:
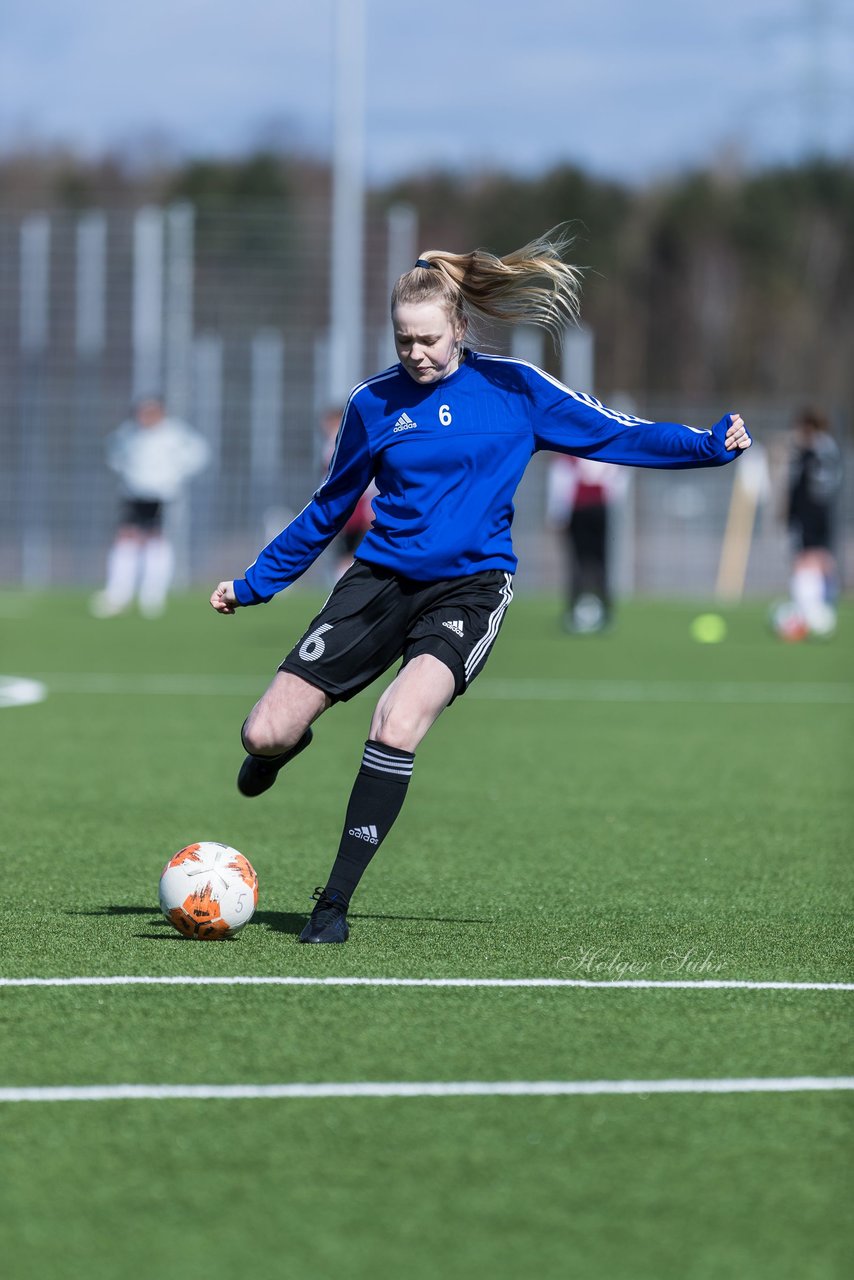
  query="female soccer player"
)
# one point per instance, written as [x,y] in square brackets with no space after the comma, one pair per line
[446,435]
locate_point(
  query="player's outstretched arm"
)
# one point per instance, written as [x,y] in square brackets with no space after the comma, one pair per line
[576,423]
[223,598]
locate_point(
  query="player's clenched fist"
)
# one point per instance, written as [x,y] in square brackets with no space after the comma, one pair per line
[737,436]
[223,598]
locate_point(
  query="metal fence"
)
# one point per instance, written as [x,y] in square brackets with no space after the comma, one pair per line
[229,316]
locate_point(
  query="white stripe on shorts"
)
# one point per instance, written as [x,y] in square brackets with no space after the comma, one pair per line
[481,649]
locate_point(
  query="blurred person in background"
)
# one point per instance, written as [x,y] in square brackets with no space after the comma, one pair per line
[813,483]
[579,493]
[154,456]
[345,544]
[446,434]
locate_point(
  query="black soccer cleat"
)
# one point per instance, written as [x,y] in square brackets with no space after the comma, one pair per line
[258,773]
[328,922]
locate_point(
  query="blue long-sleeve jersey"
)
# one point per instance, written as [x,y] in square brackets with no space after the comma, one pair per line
[447,458]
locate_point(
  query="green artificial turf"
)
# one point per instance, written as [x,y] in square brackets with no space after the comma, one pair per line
[630,805]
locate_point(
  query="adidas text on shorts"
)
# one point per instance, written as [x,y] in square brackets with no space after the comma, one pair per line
[374,617]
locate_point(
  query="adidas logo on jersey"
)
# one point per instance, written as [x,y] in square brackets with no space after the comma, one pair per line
[365,833]
[456,627]
[404,423]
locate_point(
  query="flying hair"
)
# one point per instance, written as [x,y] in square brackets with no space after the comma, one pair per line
[531,285]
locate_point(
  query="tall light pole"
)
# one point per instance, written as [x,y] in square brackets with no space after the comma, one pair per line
[348,201]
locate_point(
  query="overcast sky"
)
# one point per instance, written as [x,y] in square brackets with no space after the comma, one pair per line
[628,88]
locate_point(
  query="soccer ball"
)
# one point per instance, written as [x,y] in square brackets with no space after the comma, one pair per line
[208,890]
[788,623]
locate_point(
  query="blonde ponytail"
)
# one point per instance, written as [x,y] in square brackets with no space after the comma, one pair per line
[532,285]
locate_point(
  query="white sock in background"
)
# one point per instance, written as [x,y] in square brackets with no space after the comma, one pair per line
[122,574]
[158,562]
[809,595]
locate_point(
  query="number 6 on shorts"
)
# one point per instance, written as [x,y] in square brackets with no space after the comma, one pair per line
[313,646]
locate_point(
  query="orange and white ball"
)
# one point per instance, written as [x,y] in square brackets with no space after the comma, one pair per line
[208,890]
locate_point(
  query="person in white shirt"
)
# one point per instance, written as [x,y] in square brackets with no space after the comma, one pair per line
[154,456]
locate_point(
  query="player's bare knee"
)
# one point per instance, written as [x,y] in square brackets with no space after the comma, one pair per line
[391,738]
[262,737]
[394,728]
[251,735]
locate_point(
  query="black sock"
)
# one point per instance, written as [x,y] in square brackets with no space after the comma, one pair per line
[376,799]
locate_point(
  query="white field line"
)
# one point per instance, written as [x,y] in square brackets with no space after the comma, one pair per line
[423,1089]
[17,691]
[182,684]
[523,689]
[210,980]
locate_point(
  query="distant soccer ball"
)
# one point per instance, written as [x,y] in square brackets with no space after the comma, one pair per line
[788,623]
[208,890]
[588,614]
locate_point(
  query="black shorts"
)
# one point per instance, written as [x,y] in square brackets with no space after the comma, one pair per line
[811,529]
[142,513]
[374,617]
